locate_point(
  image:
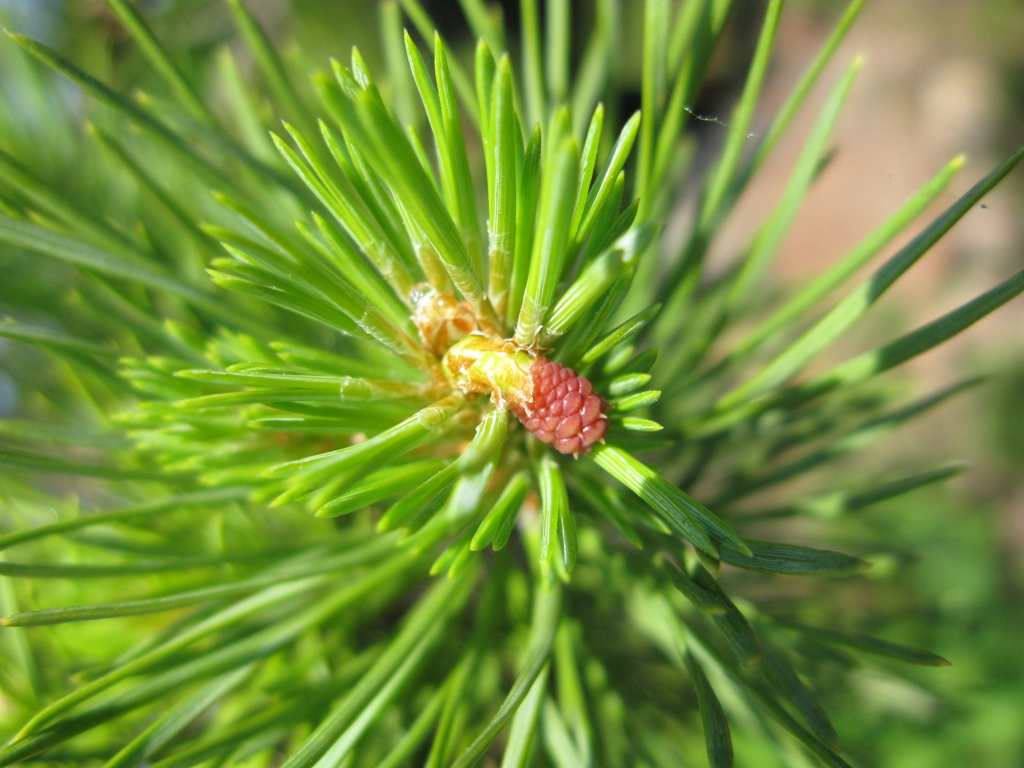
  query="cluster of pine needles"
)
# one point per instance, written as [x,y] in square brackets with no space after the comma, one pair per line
[249,519]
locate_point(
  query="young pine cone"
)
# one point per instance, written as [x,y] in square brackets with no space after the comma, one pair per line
[564,411]
[555,403]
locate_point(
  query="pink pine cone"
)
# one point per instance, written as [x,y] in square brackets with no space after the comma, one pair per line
[564,411]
